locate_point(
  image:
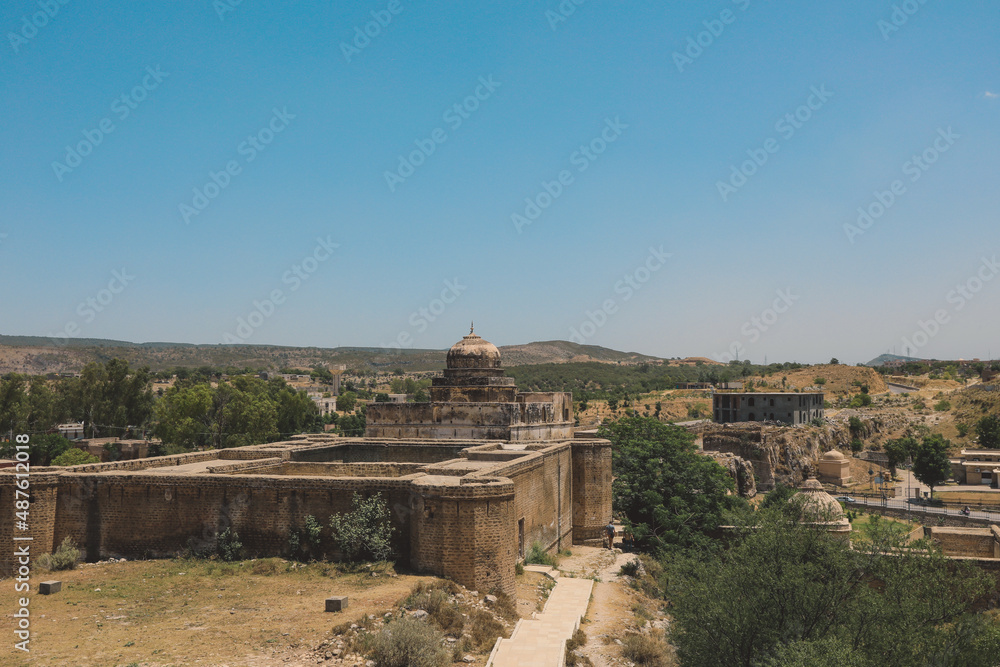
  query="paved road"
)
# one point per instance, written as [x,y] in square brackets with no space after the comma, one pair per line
[901,503]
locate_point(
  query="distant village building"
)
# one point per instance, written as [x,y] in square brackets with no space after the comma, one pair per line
[326,404]
[785,407]
[397,398]
[71,431]
[977,466]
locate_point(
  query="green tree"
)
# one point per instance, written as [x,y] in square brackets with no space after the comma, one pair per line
[42,448]
[899,450]
[988,429]
[381,397]
[782,593]
[930,461]
[184,416]
[668,493]
[347,401]
[74,457]
[365,532]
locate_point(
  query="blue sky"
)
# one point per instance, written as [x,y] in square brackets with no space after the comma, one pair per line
[644,126]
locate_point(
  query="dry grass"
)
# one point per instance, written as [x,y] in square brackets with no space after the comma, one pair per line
[173,611]
[649,649]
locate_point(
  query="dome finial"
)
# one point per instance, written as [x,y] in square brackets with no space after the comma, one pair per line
[472,327]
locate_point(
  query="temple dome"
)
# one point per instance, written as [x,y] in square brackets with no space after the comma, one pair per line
[833,455]
[473,352]
[816,505]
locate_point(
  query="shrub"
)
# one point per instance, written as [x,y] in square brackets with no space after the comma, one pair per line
[537,555]
[265,567]
[407,642]
[484,629]
[631,568]
[64,558]
[857,445]
[366,531]
[963,430]
[303,544]
[518,568]
[942,406]
[74,457]
[819,382]
[646,650]
[228,547]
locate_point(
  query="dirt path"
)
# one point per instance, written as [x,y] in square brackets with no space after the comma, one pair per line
[611,608]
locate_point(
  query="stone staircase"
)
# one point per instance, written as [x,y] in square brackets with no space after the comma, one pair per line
[541,641]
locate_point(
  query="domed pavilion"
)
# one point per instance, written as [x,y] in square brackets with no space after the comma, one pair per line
[473,398]
[819,509]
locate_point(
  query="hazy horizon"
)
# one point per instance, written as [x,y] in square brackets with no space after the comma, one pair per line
[720,179]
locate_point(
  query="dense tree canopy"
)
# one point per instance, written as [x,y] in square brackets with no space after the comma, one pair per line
[988,430]
[664,489]
[783,594]
[244,411]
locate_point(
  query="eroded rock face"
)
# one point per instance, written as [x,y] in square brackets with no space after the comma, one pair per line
[741,470]
[786,454]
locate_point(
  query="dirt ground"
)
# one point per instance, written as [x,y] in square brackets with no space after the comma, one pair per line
[188,612]
[615,609]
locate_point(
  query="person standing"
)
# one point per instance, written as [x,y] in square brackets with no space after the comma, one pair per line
[610,532]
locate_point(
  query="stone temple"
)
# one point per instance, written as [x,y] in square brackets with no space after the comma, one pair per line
[475,399]
[472,480]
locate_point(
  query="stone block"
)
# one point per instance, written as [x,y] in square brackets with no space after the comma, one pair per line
[336,603]
[49,587]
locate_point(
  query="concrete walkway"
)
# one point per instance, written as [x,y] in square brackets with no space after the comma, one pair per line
[541,641]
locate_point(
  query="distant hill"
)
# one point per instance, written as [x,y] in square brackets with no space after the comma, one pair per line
[883,358]
[37,355]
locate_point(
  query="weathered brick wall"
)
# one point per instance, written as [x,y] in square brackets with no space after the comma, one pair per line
[145,464]
[465,532]
[336,469]
[591,489]
[543,497]
[251,466]
[971,542]
[42,499]
[161,515]
[395,452]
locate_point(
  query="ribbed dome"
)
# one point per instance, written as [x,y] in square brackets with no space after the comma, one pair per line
[473,352]
[817,506]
